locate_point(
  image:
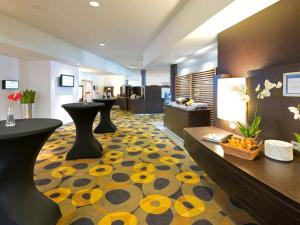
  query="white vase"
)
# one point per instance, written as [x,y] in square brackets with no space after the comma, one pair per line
[279,150]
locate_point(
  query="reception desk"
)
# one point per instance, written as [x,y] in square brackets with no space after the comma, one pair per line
[176,118]
[136,106]
[123,103]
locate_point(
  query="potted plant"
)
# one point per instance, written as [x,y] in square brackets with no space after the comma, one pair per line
[253,130]
[296,112]
[10,120]
[27,101]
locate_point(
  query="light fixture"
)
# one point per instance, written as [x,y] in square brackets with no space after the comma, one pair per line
[102,44]
[230,105]
[205,49]
[94,3]
[180,60]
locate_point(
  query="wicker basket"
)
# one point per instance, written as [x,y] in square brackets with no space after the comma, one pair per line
[240,152]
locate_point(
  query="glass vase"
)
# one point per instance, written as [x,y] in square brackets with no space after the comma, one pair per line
[10,119]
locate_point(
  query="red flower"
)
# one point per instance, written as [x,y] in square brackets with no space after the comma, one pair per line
[15,96]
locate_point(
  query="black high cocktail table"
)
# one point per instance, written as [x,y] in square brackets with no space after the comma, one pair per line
[20,201]
[85,145]
[105,125]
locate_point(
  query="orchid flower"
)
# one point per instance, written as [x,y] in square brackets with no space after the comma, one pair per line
[266,91]
[295,111]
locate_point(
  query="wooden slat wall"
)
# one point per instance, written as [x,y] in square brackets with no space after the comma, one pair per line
[198,86]
[183,86]
[202,89]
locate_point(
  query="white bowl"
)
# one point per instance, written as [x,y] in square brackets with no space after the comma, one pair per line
[279,150]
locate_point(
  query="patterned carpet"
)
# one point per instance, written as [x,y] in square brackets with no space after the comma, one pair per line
[143,178]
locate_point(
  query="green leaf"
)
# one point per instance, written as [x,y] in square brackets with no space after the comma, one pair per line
[243,129]
[297,137]
[254,128]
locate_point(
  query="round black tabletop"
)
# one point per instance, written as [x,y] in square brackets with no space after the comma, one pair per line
[27,127]
[80,105]
[104,99]
[20,146]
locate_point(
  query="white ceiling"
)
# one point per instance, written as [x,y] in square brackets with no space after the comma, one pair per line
[156,31]
[125,26]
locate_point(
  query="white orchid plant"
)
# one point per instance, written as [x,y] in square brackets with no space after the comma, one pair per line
[296,112]
[253,130]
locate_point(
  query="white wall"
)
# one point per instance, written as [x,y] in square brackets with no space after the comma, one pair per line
[43,76]
[158,77]
[134,78]
[38,79]
[62,95]
[114,80]
[205,61]
[9,70]
[104,80]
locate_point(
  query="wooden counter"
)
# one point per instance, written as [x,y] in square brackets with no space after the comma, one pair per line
[136,106]
[176,119]
[123,103]
[268,189]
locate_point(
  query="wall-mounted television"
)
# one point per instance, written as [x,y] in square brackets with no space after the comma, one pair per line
[66,80]
[10,84]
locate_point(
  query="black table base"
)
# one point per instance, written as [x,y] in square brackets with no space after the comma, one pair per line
[20,201]
[105,125]
[85,145]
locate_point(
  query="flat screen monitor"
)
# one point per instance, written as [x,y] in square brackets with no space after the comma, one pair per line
[66,80]
[10,84]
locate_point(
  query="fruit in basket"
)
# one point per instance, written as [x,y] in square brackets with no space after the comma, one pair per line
[243,143]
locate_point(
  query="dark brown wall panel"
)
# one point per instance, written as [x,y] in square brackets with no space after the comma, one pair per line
[264,42]
[268,38]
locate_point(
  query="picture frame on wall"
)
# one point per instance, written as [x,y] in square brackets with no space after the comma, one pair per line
[291,84]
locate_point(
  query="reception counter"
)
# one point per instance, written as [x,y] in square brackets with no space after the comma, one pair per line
[178,118]
[136,106]
[123,103]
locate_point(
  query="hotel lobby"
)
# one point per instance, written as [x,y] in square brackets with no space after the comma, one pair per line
[149,112]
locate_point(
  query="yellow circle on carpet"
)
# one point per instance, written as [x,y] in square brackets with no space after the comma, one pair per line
[86,197]
[189,206]
[188,177]
[155,204]
[151,149]
[44,156]
[144,167]
[63,171]
[112,160]
[169,160]
[100,170]
[133,149]
[142,177]
[58,194]
[125,217]
[115,154]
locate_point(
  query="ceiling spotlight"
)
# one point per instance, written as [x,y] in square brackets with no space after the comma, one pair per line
[94,3]
[102,44]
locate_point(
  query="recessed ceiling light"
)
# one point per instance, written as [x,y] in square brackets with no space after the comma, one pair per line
[102,44]
[94,3]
